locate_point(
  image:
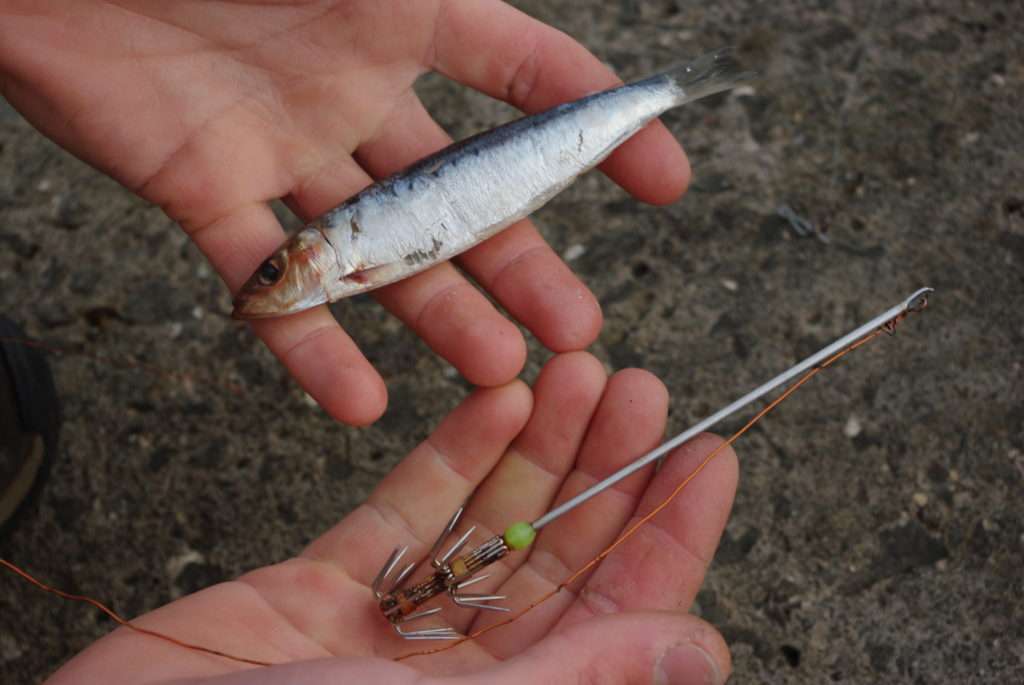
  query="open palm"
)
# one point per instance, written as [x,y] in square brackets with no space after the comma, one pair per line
[511,453]
[212,109]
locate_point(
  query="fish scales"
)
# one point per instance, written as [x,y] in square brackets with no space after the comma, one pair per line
[462,196]
[466,193]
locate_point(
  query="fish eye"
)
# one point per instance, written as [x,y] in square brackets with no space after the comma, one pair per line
[269,272]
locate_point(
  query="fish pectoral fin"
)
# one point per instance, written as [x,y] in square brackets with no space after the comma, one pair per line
[375,276]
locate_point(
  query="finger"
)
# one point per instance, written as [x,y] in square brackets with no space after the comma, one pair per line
[630,648]
[662,565]
[522,485]
[629,421]
[412,504]
[500,51]
[329,181]
[319,354]
[533,283]
[458,322]
[320,671]
[516,266]
[236,234]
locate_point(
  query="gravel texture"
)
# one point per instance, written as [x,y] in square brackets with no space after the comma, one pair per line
[878,534]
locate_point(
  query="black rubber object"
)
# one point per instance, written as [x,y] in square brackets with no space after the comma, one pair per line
[25,372]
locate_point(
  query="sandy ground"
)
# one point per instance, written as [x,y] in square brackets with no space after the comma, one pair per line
[877,534]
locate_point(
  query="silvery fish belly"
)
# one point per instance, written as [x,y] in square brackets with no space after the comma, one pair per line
[464,194]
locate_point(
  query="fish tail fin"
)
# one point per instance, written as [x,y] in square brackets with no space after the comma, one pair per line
[711,73]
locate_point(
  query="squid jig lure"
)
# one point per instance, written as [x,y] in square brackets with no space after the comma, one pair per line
[452,574]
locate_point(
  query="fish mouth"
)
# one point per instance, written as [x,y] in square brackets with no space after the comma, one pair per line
[252,306]
[244,309]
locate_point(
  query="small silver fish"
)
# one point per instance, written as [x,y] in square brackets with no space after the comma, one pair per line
[447,203]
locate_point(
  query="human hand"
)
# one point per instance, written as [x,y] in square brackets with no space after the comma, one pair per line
[212,109]
[511,453]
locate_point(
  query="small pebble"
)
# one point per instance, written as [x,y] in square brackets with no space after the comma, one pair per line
[744,91]
[574,251]
[197,312]
[69,211]
[920,499]
[730,285]
[308,399]
[10,649]
[852,428]
[176,564]
[44,185]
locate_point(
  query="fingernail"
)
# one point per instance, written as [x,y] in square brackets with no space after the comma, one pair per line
[686,665]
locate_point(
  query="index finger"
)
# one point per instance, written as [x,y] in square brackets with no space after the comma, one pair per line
[319,354]
[509,55]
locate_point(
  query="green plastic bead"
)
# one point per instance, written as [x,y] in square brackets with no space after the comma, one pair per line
[520,535]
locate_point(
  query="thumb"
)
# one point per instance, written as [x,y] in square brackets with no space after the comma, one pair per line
[638,647]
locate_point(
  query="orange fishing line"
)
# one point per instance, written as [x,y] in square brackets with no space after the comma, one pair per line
[125,622]
[664,503]
[472,636]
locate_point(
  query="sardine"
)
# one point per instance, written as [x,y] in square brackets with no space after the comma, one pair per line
[454,199]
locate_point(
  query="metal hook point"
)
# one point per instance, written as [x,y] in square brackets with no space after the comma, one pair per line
[386,570]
